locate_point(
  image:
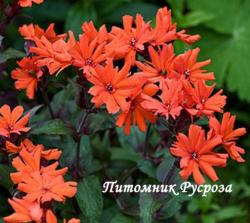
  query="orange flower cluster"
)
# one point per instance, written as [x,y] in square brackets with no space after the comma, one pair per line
[136,75]
[28,3]
[197,152]
[38,181]
[30,73]
[96,52]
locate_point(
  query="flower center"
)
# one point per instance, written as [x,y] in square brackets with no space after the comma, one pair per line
[89,61]
[134,105]
[45,189]
[194,155]
[186,73]
[133,41]
[33,74]
[128,99]
[109,87]
[203,100]
[10,128]
[163,73]
[168,107]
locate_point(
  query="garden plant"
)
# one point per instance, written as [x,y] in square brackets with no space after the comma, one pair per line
[135,103]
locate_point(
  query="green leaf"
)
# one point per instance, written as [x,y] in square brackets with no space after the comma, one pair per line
[64,103]
[201,204]
[122,219]
[10,54]
[230,212]
[208,219]
[147,167]
[176,6]
[227,42]
[52,127]
[108,212]
[133,141]
[48,10]
[165,169]
[170,208]
[68,146]
[148,206]
[124,154]
[105,7]
[34,110]
[5,180]
[89,198]
[101,146]
[98,122]
[203,120]
[147,10]
[224,13]
[194,18]
[79,13]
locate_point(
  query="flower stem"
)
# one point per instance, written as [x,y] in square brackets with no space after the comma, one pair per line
[47,102]
[79,137]
[147,140]
[43,87]
[78,147]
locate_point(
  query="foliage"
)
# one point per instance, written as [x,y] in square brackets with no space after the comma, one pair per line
[105,151]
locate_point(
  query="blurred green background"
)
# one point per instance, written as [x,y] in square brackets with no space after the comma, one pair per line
[224,26]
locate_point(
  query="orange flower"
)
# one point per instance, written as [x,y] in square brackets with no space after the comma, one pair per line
[186,97]
[27,76]
[29,163]
[170,100]
[189,39]
[112,87]
[54,55]
[41,183]
[51,218]
[31,32]
[204,103]
[158,69]
[43,187]
[91,32]
[126,42]
[28,3]
[165,30]
[25,211]
[11,121]
[137,114]
[186,66]
[228,134]
[50,154]
[87,54]
[73,220]
[196,153]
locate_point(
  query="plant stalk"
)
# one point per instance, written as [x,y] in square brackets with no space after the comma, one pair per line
[78,146]
[147,139]
[47,102]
